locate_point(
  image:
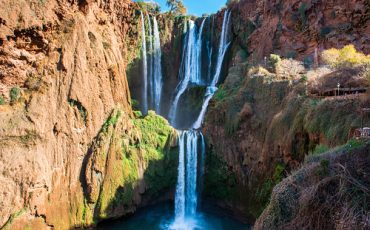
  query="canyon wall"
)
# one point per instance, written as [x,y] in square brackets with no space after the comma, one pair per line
[261,123]
[72,151]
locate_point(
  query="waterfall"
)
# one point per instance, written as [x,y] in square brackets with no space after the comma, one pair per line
[224,44]
[145,67]
[150,60]
[186,189]
[190,70]
[185,72]
[157,68]
[198,53]
[211,90]
[180,188]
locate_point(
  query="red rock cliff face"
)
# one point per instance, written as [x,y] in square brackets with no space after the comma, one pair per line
[294,28]
[262,128]
[68,58]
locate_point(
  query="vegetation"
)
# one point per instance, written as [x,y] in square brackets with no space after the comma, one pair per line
[264,191]
[8,224]
[81,109]
[121,153]
[348,56]
[320,149]
[231,2]
[14,94]
[219,181]
[329,192]
[274,61]
[152,7]
[177,7]
[2,100]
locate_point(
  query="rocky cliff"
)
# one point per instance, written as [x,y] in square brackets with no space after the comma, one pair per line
[264,119]
[295,29]
[69,139]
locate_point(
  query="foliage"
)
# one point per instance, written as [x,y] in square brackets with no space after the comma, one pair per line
[274,60]
[157,134]
[301,17]
[325,31]
[152,7]
[2,100]
[264,191]
[320,149]
[220,95]
[177,7]
[345,57]
[332,119]
[14,94]
[231,2]
[219,181]
[81,109]
[135,104]
[8,224]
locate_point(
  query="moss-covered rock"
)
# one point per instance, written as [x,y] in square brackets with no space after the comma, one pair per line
[129,162]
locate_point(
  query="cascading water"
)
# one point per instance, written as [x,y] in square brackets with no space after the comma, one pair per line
[191,142]
[150,60]
[157,68]
[224,45]
[186,190]
[145,67]
[152,66]
[211,90]
[190,71]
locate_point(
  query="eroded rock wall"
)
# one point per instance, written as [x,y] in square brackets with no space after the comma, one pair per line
[66,63]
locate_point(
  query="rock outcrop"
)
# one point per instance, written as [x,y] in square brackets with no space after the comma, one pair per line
[300,29]
[260,125]
[62,73]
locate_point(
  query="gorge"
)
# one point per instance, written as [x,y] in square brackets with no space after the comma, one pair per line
[115,115]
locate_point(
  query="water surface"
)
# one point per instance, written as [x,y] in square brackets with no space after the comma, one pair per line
[161,217]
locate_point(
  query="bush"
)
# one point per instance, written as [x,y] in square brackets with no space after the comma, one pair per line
[320,149]
[14,94]
[231,2]
[274,60]
[2,100]
[345,57]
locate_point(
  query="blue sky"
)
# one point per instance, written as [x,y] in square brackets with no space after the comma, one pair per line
[198,7]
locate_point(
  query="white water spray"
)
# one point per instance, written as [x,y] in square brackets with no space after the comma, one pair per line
[186,189]
[190,70]
[157,68]
[145,67]
[211,90]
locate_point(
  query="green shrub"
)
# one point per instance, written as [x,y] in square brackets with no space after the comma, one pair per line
[135,104]
[2,100]
[274,60]
[279,173]
[320,149]
[325,31]
[304,78]
[14,94]
[220,95]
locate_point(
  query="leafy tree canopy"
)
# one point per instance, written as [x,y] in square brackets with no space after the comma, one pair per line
[177,7]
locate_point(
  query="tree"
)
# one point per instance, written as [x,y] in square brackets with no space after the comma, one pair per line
[177,7]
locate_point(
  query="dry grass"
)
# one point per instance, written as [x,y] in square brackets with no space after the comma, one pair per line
[332,195]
